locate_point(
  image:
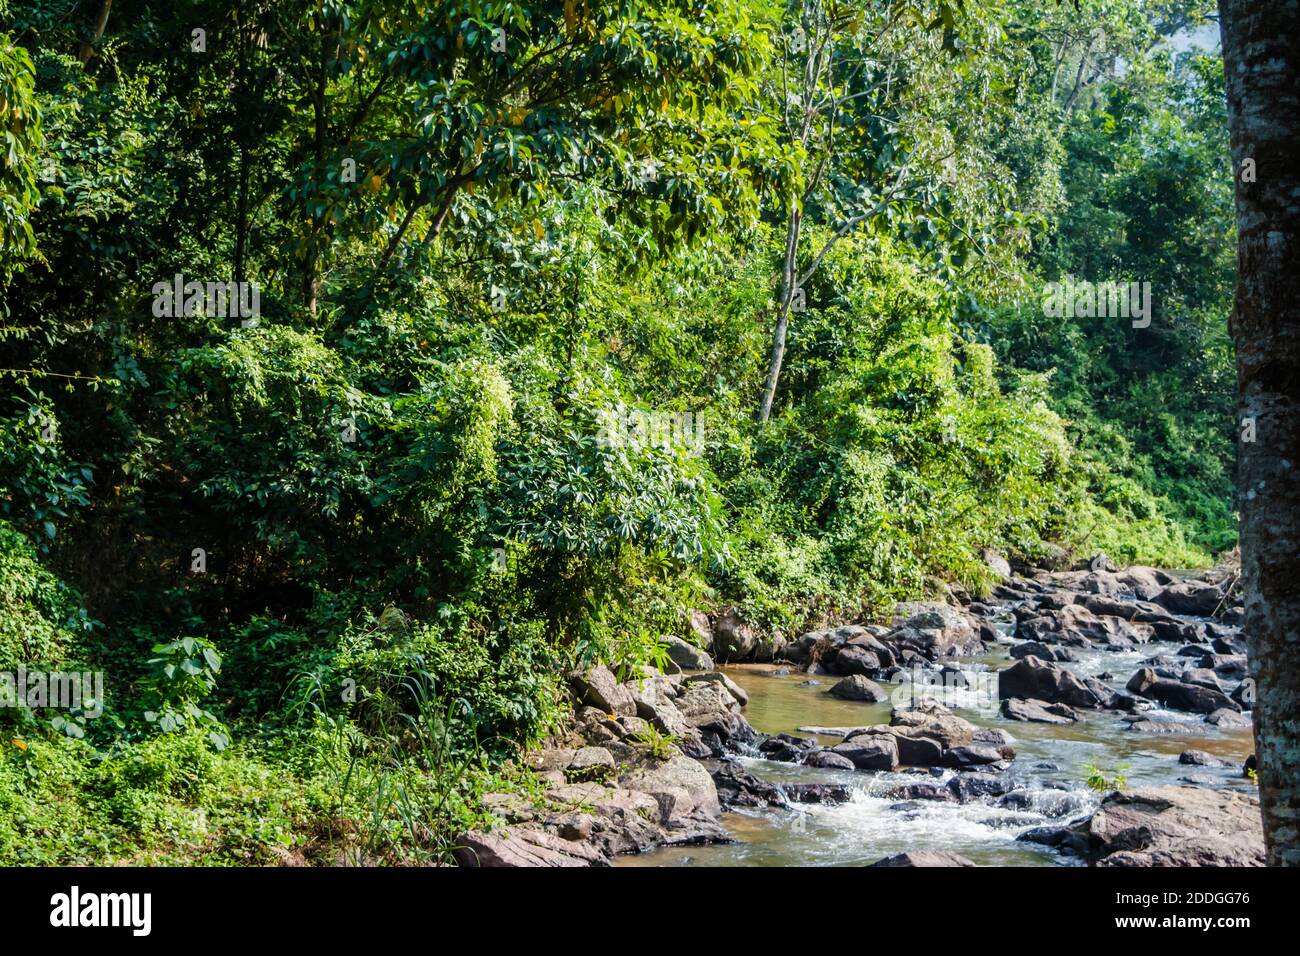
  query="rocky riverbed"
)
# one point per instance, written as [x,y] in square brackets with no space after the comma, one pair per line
[1084,716]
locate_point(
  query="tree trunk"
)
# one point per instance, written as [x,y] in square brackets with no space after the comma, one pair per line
[87,51]
[1261,53]
[789,273]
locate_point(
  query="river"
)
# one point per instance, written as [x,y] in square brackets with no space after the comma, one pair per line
[1050,771]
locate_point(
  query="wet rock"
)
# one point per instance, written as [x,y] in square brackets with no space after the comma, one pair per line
[975,786]
[962,758]
[1038,711]
[923,791]
[1178,694]
[737,787]
[852,660]
[1175,826]
[786,748]
[994,736]
[919,751]
[1199,758]
[1043,651]
[858,687]
[817,792]
[869,751]
[1036,679]
[925,858]
[828,760]
[1155,726]
[1225,718]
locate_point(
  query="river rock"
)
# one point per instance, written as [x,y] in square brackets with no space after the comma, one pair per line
[1038,711]
[961,758]
[737,692]
[827,759]
[858,687]
[1043,651]
[932,721]
[932,629]
[1225,718]
[869,751]
[1037,679]
[1190,597]
[1199,758]
[1175,826]
[1178,694]
[925,858]
[524,846]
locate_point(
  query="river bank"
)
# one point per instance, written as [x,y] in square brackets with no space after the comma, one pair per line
[1075,716]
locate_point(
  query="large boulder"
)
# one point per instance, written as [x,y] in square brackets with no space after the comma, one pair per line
[1175,826]
[1037,679]
[733,638]
[1190,597]
[858,687]
[679,779]
[869,751]
[933,629]
[934,722]
[1076,626]
[524,846]
[599,688]
[687,656]
[1180,695]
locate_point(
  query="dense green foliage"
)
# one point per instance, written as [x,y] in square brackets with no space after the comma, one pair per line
[517,268]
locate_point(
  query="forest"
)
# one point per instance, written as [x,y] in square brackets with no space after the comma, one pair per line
[371,368]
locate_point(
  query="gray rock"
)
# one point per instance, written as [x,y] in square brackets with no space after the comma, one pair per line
[1036,679]
[1178,694]
[1038,711]
[687,656]
[828,760]
[869,751]
[1175,827]
[925,858]
[601,689]
[858,687]
[733,638]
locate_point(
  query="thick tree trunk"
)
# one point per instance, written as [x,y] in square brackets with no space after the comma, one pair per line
[1261,53]
[789,275]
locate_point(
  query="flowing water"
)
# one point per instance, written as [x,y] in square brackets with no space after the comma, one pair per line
[1050,770]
